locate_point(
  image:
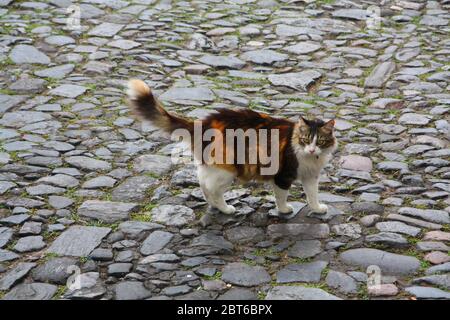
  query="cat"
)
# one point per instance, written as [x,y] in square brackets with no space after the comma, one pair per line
[304,148]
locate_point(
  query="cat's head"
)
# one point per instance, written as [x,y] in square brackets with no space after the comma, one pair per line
[316,137]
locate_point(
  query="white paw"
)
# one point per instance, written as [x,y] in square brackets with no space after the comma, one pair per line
[322,208]
[286,209]
[228,209]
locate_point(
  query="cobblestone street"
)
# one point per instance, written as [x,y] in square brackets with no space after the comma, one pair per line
[92,207]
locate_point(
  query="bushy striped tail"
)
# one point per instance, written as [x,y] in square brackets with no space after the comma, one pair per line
[147,107]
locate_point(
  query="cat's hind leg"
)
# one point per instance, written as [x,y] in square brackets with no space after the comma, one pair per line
[214,182]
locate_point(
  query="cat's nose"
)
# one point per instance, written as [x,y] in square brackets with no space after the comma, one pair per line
[312,151]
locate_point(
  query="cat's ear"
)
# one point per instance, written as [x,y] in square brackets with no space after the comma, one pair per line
[303,122]
[329,125]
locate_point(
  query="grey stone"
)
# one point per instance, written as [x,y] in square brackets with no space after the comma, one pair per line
[436,216]
[125,256]
[106,211]
[241,274]
[389,263]
[296,208]
[28,54]
[31,291]
[392,166]
[15,219]
[176,290]
[7,102]
[133,189]
[68,90]
[428,293]
[91,292]
[96,67]
[212,242]
[173,215]
[367,208]
[379,75]
[124,44]
[358,51]
[160,257]
[28,85]
[5,186]
[244,234]
[388,238]
[356,162]
[299,231]
[15,274]
[332,198]
[426,87]
[306,272]
[229,62]
[106,29]
[185,177]
[153,164]
[191,94]
[6,255]
[193,262]
[414,119]
[352,14]
[414,222]
[5,235]
[441,280]
[135,228]
[303,47]
[305,249]
[238,294]
[31,228]
[58,72]
[431,20]
[18,146]
[131,290]
[119,269]
[58,40]
[299,80]
[352,230]
[432,246]
[43,189]
[441,268]
[101,254]
[55,270]
[398,227]
[341,282]
[99,182]
[87,163]
[155,242]
[60,180]
[407,54]
[19,119]
[59,202]
[6,134]
[298,293]
[78,241]
[23,202]
[264,56]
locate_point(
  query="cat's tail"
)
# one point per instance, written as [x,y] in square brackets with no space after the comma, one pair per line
[145,105]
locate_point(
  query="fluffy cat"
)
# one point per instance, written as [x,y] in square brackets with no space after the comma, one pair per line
[304,148]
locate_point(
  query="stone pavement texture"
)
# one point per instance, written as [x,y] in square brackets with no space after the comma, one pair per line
[87,191]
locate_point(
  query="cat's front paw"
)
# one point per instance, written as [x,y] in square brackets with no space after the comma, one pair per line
[228,209]
[286,209]
[321,208]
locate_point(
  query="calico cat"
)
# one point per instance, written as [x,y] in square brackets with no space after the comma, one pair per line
[303,149]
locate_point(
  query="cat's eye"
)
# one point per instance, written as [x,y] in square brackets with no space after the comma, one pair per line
[321,141]
[305,140]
